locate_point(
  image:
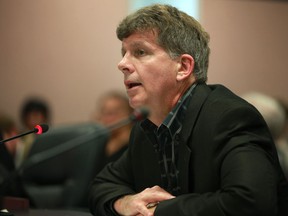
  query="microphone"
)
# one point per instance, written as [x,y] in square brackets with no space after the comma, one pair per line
[38,129]
[138,115]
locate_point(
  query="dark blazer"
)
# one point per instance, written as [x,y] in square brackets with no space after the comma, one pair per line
[227,162]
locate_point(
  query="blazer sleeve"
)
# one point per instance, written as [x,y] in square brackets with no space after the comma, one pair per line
[114,181]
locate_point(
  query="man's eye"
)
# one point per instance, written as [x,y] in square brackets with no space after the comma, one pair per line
[139,52]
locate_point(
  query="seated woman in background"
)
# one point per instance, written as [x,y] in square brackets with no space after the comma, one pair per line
[111,108]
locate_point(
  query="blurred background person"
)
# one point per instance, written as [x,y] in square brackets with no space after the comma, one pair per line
[10,183]
[284,104]
[275,115]
[34,111]
[112,107]
[8,129]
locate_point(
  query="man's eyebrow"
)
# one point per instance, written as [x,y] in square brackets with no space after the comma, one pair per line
[133,45]
[137,43]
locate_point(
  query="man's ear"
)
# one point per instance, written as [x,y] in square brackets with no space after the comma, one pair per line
[186,67]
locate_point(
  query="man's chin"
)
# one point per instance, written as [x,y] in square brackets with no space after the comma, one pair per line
[137,100]
[136,104]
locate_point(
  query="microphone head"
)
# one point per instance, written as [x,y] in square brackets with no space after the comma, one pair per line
[140,114]
[42,128]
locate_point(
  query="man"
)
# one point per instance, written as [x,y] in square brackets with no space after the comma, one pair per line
[203,150]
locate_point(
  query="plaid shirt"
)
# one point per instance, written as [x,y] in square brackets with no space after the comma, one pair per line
[165,141]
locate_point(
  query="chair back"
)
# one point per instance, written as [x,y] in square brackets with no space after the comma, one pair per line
[62,163]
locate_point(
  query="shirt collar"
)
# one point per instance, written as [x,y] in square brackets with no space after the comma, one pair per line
[175,117]
[173,121]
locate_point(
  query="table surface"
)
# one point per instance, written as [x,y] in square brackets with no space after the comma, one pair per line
[46,212]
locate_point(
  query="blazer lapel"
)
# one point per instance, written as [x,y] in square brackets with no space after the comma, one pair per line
[200,94]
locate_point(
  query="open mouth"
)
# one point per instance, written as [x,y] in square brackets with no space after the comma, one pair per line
[131,85]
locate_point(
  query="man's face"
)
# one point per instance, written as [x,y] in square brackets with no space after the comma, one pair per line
[149,72]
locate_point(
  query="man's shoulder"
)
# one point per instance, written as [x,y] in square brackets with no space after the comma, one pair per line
[219,88]
[220,96]
[216,90]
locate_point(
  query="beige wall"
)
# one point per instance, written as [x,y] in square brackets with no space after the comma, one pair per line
[63,50]
[67,51]
[249,43]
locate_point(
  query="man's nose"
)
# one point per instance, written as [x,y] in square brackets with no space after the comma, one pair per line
[124,65]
